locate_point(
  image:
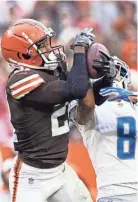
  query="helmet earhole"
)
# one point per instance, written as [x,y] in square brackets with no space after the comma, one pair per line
[26,56]
[19,55]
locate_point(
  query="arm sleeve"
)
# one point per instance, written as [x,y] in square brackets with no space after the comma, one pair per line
[104,82]
[75,87]
[77,82]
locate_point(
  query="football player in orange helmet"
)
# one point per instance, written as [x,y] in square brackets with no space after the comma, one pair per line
[38,99]
[28,43]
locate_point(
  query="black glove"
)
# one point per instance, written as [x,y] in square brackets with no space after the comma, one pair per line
[85,38]
[105,65]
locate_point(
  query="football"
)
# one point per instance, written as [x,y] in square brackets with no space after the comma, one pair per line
[94,53]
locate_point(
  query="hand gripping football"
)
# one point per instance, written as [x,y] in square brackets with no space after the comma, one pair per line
[94,53]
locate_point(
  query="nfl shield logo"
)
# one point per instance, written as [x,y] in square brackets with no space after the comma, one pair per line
[31,180]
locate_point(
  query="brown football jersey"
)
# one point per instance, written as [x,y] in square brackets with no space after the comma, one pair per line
[40,129]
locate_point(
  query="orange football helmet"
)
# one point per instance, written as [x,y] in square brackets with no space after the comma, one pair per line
[23,42]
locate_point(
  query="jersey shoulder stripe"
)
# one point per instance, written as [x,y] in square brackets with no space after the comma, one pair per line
[24,85]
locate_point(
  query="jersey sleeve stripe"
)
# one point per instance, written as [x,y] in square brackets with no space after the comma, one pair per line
[31,84]
[26,91]
[24,80]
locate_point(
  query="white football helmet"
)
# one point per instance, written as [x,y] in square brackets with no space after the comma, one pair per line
[123,77]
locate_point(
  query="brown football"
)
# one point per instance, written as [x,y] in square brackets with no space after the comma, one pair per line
[93,53]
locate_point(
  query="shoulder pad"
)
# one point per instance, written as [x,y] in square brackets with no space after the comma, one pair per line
[23,82]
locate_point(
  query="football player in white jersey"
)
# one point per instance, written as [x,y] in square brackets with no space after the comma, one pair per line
[109,133]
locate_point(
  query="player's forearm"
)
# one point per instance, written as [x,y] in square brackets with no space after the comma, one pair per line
[76,85]
[99,99]
[85,108]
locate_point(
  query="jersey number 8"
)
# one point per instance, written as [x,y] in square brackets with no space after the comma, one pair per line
[126,132]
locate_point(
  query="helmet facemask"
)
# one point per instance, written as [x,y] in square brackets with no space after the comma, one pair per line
[123,78]
[50,58]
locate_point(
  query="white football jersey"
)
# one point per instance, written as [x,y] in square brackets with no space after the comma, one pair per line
[111,140]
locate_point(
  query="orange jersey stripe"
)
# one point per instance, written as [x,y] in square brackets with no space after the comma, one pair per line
[25,83]
[17,169]
[26,91]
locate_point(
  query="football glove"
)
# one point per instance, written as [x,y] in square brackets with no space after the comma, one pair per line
[121,94]
[85,38]
[105,65]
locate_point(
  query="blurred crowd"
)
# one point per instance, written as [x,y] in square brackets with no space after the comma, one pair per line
[114,24]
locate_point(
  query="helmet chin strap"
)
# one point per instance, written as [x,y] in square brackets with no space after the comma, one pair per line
[52,56]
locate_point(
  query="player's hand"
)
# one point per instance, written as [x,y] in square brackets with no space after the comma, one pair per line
[85,38]
[105,64]
[119,93]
